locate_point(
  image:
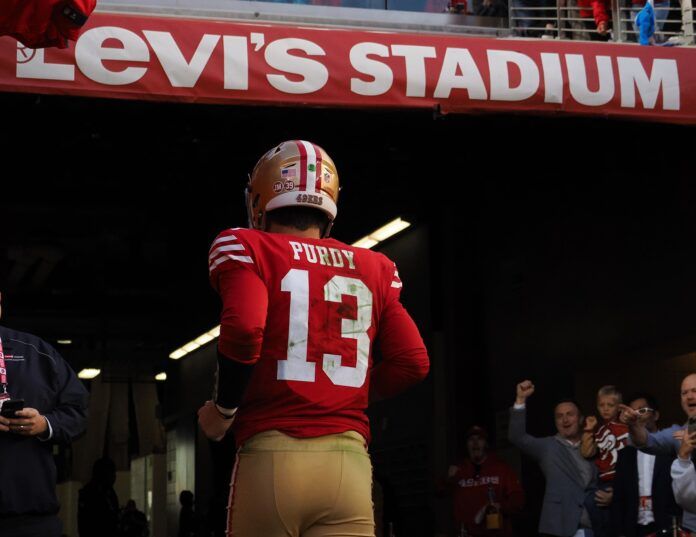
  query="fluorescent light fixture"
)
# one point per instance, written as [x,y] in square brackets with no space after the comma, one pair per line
[161,376]
[388,230]
[205,338]
[65,342]
[178,353]
[197,343]
[88,373]
[190,346]
[366,242]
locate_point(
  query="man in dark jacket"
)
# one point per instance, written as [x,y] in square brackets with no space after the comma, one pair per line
[55,410]
[643,502]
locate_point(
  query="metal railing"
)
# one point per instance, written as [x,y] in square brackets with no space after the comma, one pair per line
[568,20]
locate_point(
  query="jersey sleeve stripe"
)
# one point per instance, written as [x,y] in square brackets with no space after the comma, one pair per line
[220,240]
[230,257]
[229,248]
[397,285]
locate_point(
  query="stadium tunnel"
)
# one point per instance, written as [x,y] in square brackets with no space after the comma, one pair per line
[558,249]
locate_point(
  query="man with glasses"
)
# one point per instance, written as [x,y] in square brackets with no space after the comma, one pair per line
[665,441]
[643,502]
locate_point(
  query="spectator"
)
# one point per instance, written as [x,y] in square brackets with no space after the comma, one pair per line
[643,502]
[98,508]
[661,14]
[664,442]
[478,476]
[601,11]
[683,473]
[55,411]
[568,475]
[188,519]
[492,8]
[603,444]
[133,522]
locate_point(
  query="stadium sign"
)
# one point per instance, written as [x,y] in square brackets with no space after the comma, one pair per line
[162,58]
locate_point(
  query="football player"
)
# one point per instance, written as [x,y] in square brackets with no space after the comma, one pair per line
[300,315]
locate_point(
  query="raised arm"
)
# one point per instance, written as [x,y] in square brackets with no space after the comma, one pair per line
[517,429]
[636,426]
[588,447]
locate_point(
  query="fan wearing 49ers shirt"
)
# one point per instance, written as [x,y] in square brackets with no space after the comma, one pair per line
[301,313]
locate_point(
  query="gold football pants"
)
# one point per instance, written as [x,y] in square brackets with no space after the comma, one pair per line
[301,487]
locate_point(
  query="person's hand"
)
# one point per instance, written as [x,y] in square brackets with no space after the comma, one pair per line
[602,28]
[603,497]
[524,390]
[4,425]
[590,423]
[482,513]
[452,471]
[688,443]
[211,422]
[28,422]
[628,415]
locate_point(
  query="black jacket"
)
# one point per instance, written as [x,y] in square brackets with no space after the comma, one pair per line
[40,376]
[624,506]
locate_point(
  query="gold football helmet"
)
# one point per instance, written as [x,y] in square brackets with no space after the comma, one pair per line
[294,173]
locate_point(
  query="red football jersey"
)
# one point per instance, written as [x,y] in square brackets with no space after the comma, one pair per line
[307,312]
[610,438]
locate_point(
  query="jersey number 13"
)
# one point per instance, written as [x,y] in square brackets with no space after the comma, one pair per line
[296,366]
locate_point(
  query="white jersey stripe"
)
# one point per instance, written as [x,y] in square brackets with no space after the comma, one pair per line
[229,257]
[311,163]
[397,285]
[226,238]
[229,248]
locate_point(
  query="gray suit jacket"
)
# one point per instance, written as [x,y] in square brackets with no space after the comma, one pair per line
[565,487]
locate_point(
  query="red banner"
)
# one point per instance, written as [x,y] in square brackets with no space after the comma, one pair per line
[159,58]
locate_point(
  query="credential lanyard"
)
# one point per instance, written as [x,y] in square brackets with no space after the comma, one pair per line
[3,375]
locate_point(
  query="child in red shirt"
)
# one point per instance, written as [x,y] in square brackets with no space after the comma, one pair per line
[602,442]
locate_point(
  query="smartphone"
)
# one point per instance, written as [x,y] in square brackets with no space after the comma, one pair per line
[691,426]
[11,406]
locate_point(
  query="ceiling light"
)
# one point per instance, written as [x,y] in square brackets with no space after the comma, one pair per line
[161,376]
[88,373]
[197,343]
[366,242]
[388,230]
[64,342]
[178,353]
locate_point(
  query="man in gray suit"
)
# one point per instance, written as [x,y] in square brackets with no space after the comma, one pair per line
[568,475]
